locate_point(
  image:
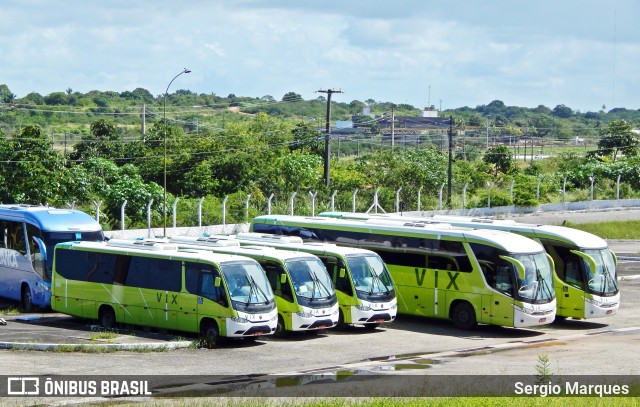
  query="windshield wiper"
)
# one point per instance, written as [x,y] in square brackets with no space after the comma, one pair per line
[317,281]
[541,283]
[255,288]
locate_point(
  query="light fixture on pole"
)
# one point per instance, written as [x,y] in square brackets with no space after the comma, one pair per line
[164,120]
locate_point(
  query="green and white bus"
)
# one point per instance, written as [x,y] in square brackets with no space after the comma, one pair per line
[467,275]
[585,276]
[364,287]
[305,297]
[152,283]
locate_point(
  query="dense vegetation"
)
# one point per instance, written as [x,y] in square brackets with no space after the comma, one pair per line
[69,148]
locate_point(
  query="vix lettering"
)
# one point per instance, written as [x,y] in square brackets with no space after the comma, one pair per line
[452,278]
[174,298]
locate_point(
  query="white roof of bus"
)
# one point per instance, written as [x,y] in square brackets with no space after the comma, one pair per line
[581,239]
[169,253]
[314,246]
[248,251]
[510,242]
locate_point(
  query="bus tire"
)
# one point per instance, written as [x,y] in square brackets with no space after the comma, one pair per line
[106,317]
[26,300]
[464,316]
[281,329]
[211,334]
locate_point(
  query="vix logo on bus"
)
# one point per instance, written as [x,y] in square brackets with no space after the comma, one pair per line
[452,279]
[8,258]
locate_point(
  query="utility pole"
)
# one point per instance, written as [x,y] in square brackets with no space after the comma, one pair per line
[327,137]
[393,130]
[450,162]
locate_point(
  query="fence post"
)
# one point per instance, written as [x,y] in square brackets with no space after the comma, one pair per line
[464,195]
[269,203]
[224,212]
[246,208]
[200,212]
[97,205]
[293,196]
[489,185]
[175,212]
[419,197]
[149,218]
[513,181]
[618,187]
[122,213]
[564,190]
[440,197]
[398,199]
[333,200]
[313,202]
[538,189]
[353,201]
[592,178]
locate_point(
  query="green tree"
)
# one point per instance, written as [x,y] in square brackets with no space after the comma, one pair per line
[618,137]
[500,157]
[291,97]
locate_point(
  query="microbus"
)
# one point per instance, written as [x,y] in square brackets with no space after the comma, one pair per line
[305,297]
[364,287]
[28,235]
[466,275]
[152,283]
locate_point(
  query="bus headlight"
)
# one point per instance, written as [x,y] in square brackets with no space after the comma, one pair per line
[240,320]
[594,302]
[303,314]
[364,308]
[524,310]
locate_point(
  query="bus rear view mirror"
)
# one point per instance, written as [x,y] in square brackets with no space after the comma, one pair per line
[283,278]
[217,282]
[343,273]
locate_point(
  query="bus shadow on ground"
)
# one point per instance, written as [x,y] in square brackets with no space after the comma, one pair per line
[444,327]
[578,324]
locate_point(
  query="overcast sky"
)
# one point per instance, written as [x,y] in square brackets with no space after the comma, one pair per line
[580,53]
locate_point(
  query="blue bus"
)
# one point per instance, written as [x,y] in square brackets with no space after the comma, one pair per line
[28,234]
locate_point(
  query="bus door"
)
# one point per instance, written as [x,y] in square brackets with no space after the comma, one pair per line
[569,282]
[211,299]
[281,286]
[497,305]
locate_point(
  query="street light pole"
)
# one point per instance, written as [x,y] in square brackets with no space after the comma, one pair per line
[164,204]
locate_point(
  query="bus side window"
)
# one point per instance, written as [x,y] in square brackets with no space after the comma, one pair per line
[572,273]
[207,287]
[333,266]
[274,273]
[16,240]
[503,281]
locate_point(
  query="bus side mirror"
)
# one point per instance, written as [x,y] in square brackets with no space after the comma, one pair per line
[342,273]
[283,278]
[217,282]
[588,260]
[518,265]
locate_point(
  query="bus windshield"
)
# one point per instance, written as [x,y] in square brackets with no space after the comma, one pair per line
[310,278]
[537,285]
[602,281]
[247,283]
[369,274]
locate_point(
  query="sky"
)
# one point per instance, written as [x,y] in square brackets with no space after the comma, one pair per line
[583,54]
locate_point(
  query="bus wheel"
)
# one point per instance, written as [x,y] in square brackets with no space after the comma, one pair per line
[106,317]
[211,334]
[464,316]
[280,328]
[26,299]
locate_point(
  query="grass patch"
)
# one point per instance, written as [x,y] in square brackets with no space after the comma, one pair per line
[103,336]
[626,229]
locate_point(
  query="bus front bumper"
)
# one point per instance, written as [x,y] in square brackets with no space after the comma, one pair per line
[599,307]
[528,315]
